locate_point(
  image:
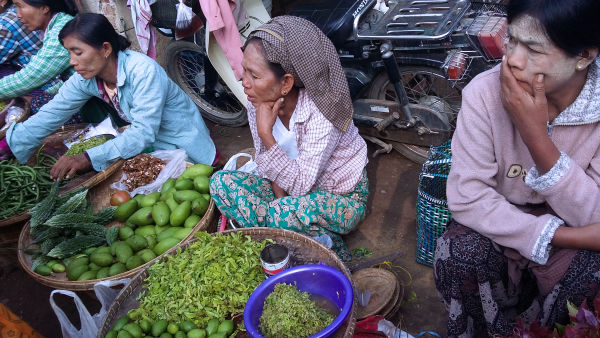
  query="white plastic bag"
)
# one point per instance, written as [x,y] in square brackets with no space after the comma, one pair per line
[90,324]
[175,166]
[184,16]
[249,167]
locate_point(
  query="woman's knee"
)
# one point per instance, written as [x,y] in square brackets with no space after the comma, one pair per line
[460,245]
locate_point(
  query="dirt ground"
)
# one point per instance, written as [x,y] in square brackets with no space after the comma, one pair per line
[390,226]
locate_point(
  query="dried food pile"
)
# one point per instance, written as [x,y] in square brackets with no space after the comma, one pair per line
[141,170]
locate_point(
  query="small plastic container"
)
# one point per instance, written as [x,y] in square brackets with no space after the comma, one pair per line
[319,280]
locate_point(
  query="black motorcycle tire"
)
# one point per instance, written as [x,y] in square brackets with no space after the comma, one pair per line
[183,66]
[382,89]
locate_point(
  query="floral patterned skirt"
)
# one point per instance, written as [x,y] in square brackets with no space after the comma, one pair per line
[249,200]
[471,276]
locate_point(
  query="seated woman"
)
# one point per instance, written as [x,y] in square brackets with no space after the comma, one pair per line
[17,43]
[48,68]
[159,112]
[524,184]
[310,158]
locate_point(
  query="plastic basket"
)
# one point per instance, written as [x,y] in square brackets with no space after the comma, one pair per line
[432,208]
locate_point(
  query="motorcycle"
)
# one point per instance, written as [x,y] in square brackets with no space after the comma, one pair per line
[406,62]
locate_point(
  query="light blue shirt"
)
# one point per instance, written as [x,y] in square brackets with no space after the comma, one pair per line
[161,115]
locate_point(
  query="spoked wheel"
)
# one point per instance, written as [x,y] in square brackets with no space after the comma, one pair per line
[425,86]
[189,67]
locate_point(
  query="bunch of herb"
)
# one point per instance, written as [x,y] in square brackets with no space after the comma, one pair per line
[290,313]
[212,278]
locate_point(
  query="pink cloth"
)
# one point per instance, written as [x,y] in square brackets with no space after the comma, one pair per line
[328,158]
[486,189]
[5,152]
[222,23]
[141,15]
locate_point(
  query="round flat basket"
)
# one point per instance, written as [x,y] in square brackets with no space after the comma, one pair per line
[53,145]
[18,102]
[391,307]
[303,250]
[100,198]
[383,286]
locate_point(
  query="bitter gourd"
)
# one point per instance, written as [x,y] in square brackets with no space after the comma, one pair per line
[72,204]
[41,211]
[112,234]
[75,245]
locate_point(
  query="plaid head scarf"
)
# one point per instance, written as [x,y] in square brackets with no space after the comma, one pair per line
[305,52]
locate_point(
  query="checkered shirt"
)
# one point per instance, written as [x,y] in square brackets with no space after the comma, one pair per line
[328,158]
[17,43]
[51,61]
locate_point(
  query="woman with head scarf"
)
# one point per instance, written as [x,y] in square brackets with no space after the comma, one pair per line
[311,160]
[524,186]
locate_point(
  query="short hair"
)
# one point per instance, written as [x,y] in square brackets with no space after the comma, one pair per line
[572,25]
[94,29]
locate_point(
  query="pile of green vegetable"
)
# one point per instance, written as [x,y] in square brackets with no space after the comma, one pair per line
[125,327]
[79,148]
[212,278]
[289,313]
[64,225]
[24,186]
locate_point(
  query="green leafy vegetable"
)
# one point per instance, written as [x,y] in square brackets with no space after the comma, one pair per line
[212,278]
[290,313]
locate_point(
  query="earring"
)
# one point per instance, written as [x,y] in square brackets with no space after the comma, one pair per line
[285,93]
[579,67]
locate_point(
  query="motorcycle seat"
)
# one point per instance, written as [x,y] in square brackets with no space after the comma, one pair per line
[333,17]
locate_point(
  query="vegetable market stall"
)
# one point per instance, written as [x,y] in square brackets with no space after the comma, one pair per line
[303,249]
[136,242]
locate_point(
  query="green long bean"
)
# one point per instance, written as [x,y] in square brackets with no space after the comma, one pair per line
[23,186]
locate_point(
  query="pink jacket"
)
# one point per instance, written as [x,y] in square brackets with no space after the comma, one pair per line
[222,23]
[493,182]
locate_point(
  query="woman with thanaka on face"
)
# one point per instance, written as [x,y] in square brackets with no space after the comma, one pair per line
[311,160]
[524,184]
[160,114]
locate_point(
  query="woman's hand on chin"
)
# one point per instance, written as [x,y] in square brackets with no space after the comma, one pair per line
[266,114]
[528,111]
[67,166]
[529,114]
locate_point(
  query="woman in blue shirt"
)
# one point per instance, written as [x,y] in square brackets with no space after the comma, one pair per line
[159,112]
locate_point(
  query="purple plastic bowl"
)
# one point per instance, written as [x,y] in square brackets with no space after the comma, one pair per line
[321,280]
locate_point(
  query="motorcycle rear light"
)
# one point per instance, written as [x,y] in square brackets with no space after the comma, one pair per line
[457,66]
[492,36]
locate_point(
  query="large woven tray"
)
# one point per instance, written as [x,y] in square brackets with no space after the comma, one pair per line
[100,198]
[303,250]
[53,145]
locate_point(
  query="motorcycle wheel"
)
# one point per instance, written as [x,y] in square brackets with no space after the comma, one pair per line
[426,86]
[186,69]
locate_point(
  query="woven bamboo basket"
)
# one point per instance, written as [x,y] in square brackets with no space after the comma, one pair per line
[53,145]
[303,250]
[383,286]
[14,102]
[100,198]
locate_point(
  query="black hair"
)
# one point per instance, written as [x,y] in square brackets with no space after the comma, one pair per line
[572,25]
[56,6]
[276,68]
[94,29]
